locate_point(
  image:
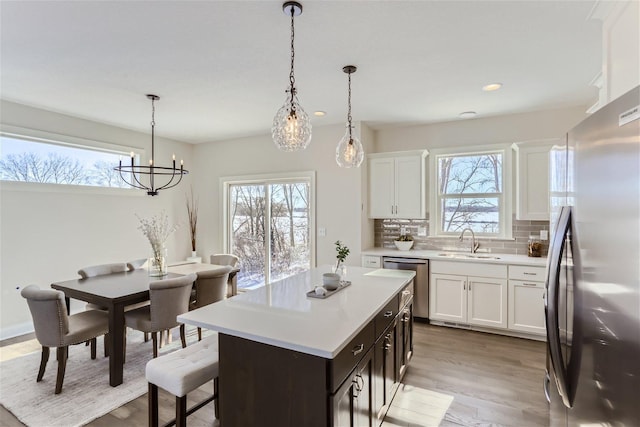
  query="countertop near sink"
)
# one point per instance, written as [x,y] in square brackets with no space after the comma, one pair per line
[435,256]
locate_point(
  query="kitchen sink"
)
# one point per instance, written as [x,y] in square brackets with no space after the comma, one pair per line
[467,256]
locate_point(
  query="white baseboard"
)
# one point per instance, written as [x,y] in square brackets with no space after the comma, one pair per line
[16,330]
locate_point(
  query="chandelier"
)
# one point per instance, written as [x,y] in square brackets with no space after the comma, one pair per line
[349,153]
[159,177]
[291,129]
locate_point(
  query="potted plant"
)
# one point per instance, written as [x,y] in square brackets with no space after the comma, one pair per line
[404,242]
[192,212]
[341,256]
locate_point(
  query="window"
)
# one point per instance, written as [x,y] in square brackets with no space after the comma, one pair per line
[63,160]
[472,191]
[269,226]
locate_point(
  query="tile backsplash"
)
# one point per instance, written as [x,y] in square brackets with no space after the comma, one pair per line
[387,230]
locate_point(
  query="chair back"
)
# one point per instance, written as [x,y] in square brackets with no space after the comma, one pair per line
[49,313]
[136,264]
[169,298]
[224,259]
[211,286]
[102,270]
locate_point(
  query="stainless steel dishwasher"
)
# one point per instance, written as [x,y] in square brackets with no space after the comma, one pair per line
[421,282]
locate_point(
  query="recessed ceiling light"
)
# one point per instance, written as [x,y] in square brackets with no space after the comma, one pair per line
[491,87]
[320,113]
[467,115]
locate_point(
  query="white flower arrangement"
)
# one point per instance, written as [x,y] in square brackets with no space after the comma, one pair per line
[157,230]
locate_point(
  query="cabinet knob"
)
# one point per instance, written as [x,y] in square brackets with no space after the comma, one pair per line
[388,313]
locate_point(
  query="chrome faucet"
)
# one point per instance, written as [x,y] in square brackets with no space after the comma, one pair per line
[474,244]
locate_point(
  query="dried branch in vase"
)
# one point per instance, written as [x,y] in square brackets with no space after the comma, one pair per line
[192,211]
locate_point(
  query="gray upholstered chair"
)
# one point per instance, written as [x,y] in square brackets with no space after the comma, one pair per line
[136,264]
[169,298]
[225,259]
[211,286]
[103,270]
[54,328]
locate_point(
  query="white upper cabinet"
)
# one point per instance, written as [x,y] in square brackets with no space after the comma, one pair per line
[532,179]
[397,185]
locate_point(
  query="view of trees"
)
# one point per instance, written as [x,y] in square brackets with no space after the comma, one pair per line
[470,192]
[281,233]
[57,168]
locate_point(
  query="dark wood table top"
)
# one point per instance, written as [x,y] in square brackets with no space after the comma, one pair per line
[111,286]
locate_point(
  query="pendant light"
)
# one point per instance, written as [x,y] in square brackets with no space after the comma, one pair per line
[291,130]
[154,173]
[349,153]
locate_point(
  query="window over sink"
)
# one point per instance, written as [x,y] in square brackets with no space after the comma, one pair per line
[471,189]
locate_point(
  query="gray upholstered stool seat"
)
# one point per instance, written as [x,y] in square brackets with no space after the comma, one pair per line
[181,372]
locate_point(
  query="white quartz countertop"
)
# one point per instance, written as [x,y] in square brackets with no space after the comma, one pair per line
[435,256]
[282,315]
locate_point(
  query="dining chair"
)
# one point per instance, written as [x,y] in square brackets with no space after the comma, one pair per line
[210,287]
[225,259]
[136,264]
[168,299]
[103,270]
[54,328]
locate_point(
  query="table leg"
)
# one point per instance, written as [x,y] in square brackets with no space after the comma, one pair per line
[116,341]
[67,301]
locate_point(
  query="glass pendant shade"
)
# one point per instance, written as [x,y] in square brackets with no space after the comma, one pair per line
[349,153]
[291,130]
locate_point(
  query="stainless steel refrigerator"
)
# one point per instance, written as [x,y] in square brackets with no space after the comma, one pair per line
[592,303]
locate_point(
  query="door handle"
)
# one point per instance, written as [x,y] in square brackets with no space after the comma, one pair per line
[388,313]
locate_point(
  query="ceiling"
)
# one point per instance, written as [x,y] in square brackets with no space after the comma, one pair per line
[221,67]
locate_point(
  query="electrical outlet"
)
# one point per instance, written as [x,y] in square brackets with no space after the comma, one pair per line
[322,232]
[544,235]
[403,230]
[422,231]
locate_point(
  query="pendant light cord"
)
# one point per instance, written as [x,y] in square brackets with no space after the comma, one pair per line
[349,110]
[153,125]
[292,78]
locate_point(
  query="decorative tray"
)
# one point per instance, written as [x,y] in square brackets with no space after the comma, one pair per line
[343,284]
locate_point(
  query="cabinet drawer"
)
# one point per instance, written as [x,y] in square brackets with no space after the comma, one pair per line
[350,355]
[371,261]
[521,272]
[386,315]
[469,269]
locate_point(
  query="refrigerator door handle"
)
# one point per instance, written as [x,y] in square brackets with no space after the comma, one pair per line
[552,304]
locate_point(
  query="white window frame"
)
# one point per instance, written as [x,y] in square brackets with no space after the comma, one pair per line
[274,178]
[506,202]
[43,137]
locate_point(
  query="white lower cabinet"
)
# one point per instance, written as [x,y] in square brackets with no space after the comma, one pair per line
[468,299]
[526,299]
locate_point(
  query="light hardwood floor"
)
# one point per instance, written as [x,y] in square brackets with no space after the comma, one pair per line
[456,378]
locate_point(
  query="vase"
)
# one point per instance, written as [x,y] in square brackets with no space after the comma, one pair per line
[341,269]
[158,261]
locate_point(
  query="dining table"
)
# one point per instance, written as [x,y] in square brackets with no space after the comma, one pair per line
[115,292]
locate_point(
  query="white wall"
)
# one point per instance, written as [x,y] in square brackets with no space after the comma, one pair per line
[490,130]
[338,191]
[48,232]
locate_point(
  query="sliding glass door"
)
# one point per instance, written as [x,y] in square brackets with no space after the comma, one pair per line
[269,227]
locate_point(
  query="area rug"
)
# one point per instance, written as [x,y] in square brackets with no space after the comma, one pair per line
[86,393]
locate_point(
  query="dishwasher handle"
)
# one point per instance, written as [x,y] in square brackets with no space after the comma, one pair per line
[405,260]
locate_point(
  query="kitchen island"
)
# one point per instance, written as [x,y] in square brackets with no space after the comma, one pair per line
[290,360]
